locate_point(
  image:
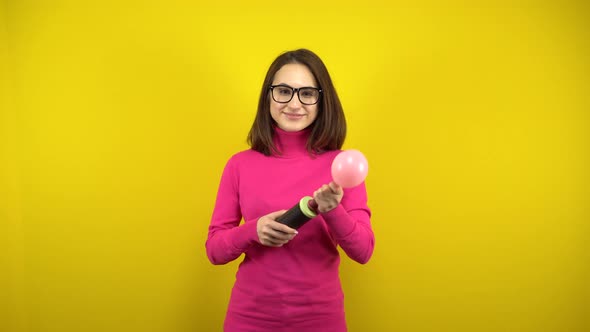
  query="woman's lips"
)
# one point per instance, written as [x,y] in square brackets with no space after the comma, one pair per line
[294,116]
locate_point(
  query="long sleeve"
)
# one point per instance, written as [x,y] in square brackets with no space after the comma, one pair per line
[301,278]
[227,240]
[350,225]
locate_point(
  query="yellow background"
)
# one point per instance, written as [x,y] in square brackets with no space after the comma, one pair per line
[117,118]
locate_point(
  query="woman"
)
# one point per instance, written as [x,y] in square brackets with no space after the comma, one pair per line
[288,280]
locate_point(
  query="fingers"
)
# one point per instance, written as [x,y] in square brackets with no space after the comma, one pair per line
[335,188]
[275,238]
[281,228]
[321,191]
[328,196]
[272,233]
[279,235]
[331,189]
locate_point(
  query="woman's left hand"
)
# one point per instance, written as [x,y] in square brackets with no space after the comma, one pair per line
[328,197]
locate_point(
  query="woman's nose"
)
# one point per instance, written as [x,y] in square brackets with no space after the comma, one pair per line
[295,102]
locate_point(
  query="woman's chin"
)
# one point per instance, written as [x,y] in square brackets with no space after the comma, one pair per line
[293,127]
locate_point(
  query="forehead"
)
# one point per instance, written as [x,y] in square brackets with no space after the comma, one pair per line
[295,75]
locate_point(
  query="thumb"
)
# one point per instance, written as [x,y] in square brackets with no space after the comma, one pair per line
[336,189]
[276,214]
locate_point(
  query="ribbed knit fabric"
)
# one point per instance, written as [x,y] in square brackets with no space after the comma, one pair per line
[295,287]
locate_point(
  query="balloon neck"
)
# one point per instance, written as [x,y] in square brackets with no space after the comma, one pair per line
[313,205]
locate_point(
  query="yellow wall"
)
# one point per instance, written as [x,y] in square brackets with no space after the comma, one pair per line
[117,119]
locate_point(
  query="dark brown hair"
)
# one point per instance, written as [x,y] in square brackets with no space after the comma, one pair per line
[328,131]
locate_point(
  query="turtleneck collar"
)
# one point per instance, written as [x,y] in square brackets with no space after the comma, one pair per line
[291,144]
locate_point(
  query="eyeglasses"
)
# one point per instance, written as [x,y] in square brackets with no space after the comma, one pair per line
[284,93]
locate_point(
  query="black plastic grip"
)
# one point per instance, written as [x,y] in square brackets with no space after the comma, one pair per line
[295,217]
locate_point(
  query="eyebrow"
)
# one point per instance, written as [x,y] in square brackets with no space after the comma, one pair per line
[287,85]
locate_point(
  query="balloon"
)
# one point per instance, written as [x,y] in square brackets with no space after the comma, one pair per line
[349,168]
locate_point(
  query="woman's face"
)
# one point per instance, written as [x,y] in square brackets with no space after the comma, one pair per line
[293,116]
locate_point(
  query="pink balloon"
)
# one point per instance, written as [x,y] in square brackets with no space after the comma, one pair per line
[349,168]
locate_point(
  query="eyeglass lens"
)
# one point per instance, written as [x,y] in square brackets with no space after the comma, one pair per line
[284,94]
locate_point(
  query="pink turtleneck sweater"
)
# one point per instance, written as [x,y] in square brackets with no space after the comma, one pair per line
[295,287]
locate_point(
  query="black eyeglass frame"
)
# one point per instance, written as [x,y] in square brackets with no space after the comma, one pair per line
[293,91]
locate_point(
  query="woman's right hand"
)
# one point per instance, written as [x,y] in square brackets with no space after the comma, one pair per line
[272,233]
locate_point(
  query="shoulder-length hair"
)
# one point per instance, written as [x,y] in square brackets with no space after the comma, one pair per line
[327,132]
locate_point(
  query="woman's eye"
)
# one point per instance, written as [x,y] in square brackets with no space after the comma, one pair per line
[285,91]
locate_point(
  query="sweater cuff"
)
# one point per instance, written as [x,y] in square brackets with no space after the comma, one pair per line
[340,222]
[245,235]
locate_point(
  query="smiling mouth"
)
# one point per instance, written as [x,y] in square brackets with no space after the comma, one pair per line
[293,115]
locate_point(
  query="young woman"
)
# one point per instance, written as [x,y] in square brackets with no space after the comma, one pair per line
[288,280]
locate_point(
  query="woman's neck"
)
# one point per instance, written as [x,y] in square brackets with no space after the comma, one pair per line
[291,143]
